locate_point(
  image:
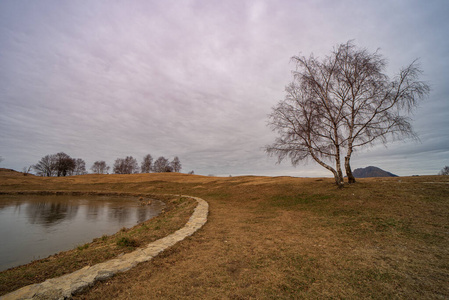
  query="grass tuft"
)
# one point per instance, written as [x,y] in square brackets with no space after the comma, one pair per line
[127,242]
[82,247]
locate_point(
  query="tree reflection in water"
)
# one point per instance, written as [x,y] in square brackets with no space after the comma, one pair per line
[118,213]
[50,213]
[146,212]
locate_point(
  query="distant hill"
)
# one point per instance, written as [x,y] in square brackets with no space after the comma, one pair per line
[371,172]
[12,172]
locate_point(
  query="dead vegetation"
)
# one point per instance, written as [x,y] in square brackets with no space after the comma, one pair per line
[284,238]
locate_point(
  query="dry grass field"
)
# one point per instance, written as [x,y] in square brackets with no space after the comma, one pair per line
[271,238]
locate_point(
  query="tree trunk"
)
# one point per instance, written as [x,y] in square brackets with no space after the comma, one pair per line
[339,171]
[338,176]
[351,178]
[339,180]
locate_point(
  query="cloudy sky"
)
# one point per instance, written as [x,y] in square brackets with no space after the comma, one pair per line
[196,79]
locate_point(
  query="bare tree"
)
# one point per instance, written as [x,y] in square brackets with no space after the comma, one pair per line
[100,167]
[176,165]
[1,159]
[340,103]
[162,165]
[46,166]
[126,165]
[64,164]
[444,171]
[26,170]
[80,167]
[146,165]
[59,164]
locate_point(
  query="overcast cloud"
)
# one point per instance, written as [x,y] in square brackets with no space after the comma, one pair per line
[196,79]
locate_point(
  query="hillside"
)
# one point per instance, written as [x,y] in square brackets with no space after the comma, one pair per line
[11,172]
[371,172]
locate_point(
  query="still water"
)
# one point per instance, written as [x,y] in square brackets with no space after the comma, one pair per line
[34,227]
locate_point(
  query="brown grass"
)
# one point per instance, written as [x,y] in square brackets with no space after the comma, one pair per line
[287,238]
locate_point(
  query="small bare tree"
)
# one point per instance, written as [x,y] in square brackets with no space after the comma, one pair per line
[26,170]
[176,165]
[80,167]
[162,165]
[46,166]
[64,164]
[444,171]
[126,165]
[340,103]
[100,167]
[147,164]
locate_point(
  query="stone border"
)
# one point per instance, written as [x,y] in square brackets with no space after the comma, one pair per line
[67,285]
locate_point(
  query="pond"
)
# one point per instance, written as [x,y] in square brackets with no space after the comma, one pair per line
[34,227]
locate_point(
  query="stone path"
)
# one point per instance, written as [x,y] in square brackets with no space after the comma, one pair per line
[65,286]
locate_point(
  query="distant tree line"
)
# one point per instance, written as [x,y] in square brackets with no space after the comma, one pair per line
[129,165]
[61,164]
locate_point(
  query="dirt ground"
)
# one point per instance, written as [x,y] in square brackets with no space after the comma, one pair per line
[286,238]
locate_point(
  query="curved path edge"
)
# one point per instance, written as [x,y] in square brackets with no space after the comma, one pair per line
[67,285]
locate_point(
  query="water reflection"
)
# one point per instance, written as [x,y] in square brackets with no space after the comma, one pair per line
[142,214]
[33,227]
[118,213]
[50,213]
[92,212]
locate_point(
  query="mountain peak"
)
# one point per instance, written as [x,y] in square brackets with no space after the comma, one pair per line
[371,171]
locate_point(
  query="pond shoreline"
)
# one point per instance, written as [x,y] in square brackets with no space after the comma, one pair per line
[176,213]
[70,284]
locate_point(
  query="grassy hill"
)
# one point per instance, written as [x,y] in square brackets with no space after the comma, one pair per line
[276,237]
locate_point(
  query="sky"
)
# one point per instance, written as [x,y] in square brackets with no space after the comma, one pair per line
[105,79]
